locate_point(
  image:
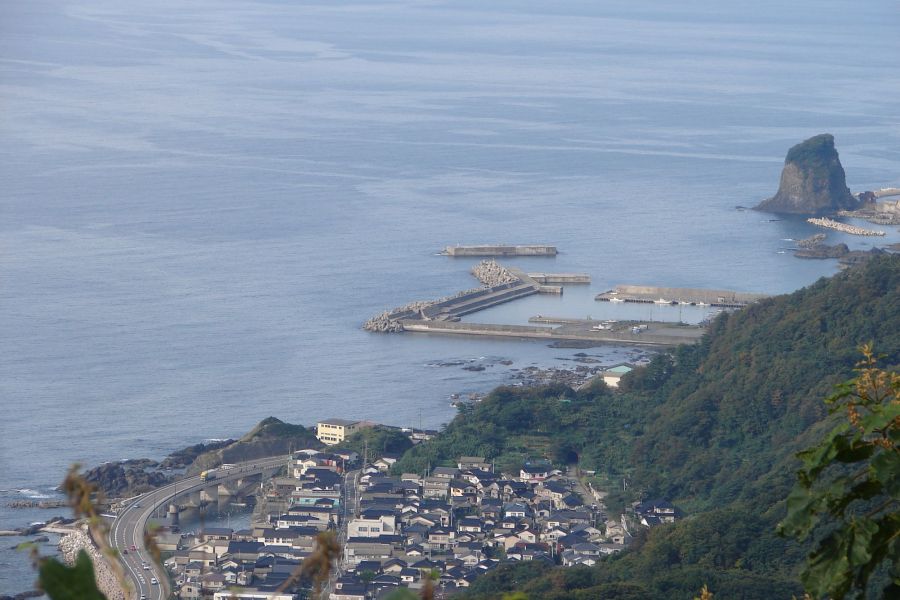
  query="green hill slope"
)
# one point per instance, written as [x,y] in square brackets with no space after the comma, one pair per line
[712,427]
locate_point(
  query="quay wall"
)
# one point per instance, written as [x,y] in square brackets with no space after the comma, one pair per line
[651,293]
[547,333]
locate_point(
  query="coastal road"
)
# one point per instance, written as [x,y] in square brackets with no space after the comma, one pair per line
[349,510]
[127,530]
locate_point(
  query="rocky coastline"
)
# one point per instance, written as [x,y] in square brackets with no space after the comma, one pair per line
[23,595]
[878,213]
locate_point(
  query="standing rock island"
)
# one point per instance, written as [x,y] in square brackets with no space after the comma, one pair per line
[812,181]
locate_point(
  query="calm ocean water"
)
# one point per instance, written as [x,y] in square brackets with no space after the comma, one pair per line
[202,202]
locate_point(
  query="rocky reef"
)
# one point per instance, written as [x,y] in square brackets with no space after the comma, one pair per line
[823,251]
[127,478]
[813,181]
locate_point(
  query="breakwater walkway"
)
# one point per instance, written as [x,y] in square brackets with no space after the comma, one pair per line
[649,294]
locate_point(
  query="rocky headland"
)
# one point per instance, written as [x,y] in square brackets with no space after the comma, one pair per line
[813,181]
[270,437]
[128,478]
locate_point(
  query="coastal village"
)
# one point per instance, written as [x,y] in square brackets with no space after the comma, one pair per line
[451,524]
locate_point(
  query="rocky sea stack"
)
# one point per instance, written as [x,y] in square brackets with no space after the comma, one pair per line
[812,181]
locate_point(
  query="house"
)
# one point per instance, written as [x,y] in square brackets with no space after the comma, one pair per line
[384,463]
[252,595]
[516,510]
[663,510]
[373,524]
[468,463]
[356,551]
[349,592]
[611,377]
[440,539]
[534,473]
[445,472]
[435,487]
[215,533]
[334,431]
[460,488]
[470,525]
[241,551]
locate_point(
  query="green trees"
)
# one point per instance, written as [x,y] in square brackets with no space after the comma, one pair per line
[848,491]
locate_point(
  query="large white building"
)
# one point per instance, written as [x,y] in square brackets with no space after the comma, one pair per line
[334,431]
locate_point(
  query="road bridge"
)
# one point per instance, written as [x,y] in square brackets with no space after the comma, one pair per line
[127,530]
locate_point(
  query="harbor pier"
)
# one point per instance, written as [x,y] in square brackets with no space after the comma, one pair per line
[649,294]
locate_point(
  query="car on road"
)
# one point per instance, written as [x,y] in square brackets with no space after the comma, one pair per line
[146,567]
[153,581]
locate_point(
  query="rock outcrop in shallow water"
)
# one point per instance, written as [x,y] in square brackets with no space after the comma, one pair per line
[812,181]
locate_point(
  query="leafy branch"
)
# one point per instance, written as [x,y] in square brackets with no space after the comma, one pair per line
[848,490]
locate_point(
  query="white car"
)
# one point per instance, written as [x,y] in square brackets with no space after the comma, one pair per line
[146,567]
[153,581]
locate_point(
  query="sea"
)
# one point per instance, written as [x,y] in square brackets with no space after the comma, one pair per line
[201,202]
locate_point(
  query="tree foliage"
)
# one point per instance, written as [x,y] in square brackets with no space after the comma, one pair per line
[62,582]
[848,490]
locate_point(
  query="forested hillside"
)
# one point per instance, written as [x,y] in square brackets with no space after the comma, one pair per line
[713,428]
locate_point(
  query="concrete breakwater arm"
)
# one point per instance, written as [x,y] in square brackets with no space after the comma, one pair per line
[843,227]
[503,285]
[389,320]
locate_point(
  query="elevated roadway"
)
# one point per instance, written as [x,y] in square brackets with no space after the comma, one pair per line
[127,530]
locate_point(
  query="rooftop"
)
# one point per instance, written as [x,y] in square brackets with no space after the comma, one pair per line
[340,422]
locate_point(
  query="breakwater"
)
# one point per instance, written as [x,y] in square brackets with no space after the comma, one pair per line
[500,250]
[454,307]
[648,294]
[561,278]
[843,227]
[509,284]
